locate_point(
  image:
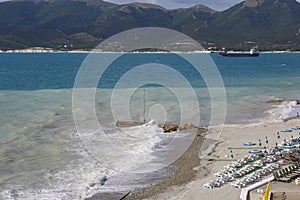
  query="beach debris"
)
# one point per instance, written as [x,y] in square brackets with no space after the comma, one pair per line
[124,197]
[103,180]
[92,184]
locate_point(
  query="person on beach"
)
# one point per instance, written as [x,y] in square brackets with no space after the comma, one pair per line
[231,154]
[265,150]
[297,114]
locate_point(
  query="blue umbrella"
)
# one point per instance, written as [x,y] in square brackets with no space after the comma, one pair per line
[286,131]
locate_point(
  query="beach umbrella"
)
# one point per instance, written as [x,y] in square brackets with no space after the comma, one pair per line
[286,131]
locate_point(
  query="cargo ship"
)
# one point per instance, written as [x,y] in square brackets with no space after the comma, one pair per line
[253,53]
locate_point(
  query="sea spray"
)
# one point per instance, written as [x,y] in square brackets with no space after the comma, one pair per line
[282,112]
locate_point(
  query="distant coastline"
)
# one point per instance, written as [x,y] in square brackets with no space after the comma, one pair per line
[48,50]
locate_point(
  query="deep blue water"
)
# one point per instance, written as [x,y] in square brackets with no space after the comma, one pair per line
[38,71]
[35,71]
[266,70]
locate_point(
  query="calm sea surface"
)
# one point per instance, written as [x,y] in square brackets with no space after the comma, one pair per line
[44,156]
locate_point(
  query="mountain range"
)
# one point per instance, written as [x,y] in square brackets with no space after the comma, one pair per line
[82,24]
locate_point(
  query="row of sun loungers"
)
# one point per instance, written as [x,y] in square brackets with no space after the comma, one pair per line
[254,177]
[287,174]
[253,167]
[234,171]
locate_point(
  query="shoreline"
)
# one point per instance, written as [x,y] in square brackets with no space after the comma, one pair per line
[180,172]
[185,170]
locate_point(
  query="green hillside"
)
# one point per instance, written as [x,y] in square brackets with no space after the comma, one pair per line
[272,25]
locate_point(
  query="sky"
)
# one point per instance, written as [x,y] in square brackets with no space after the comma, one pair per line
[171,4]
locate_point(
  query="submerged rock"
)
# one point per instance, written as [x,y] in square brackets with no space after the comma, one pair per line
[275,101]
[278,101]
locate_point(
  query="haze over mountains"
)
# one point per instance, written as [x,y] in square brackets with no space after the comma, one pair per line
[270,24]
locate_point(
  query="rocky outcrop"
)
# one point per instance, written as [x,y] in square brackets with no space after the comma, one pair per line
[279,101]
[275,101]
[168,128]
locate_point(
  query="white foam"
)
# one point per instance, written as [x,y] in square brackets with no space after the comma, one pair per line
[283,111]
[128,150]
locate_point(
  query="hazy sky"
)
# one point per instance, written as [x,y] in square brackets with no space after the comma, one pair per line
[215,4]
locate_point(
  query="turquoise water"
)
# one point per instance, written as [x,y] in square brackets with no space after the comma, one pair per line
[43,155]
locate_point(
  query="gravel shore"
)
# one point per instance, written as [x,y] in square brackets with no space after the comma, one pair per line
[183,173]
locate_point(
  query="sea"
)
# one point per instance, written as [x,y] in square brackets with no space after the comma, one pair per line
[58,114]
